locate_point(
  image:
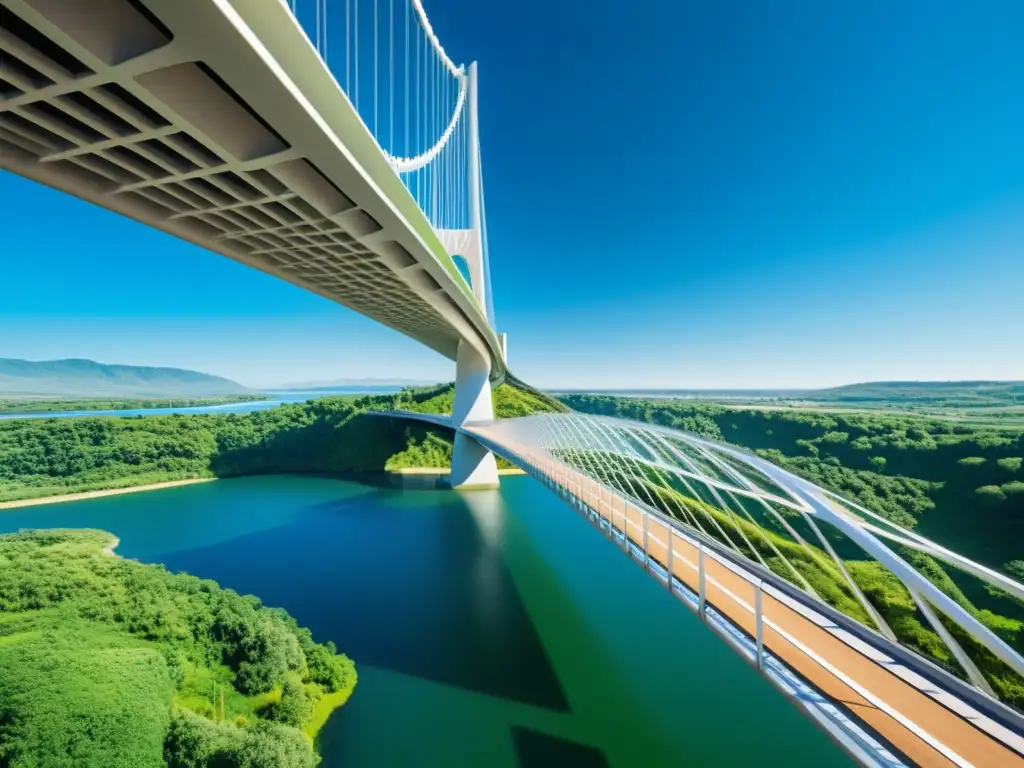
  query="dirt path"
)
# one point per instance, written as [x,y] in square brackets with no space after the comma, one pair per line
[97,494]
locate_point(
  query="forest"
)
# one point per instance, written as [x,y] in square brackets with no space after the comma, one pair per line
[333,435]
[953,483]
[960,485]
[110,663]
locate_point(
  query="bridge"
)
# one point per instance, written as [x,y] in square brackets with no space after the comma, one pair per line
[882,701]
[341,152]
[221,123]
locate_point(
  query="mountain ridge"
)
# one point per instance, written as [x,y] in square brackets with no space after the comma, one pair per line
[979,392]
[80,377]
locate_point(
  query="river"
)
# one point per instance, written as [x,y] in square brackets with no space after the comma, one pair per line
[274,399]
[490,629]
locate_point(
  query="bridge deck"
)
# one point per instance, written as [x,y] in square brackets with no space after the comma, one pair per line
[927,725]
[217,122]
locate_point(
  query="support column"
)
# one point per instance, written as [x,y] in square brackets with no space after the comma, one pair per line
[473,465]
[475,260]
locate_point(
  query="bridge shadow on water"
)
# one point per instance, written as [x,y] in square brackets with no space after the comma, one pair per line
[408,585]
[496,628]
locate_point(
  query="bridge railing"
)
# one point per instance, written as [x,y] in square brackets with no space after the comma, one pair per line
[802,645]
[809,536]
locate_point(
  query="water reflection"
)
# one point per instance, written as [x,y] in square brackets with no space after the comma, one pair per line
[486,510]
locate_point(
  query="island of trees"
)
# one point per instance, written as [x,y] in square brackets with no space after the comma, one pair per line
[110,663]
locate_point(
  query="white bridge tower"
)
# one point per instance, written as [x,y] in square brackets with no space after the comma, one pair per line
[473,465]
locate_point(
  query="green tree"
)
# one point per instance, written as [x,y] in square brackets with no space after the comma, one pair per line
[1015,488]
[990,493]
[293,708]
[971,461]
[270,745]
[1015,568]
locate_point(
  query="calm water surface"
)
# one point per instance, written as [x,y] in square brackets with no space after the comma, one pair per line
[490,629]
[275,399]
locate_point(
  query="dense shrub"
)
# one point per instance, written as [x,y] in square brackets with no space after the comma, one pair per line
[94,648]
[293,708]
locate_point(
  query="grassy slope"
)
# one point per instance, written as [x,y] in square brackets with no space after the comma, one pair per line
[99,656]
[977,403]
[948,393]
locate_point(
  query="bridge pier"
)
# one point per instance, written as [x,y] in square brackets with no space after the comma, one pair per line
[473,465]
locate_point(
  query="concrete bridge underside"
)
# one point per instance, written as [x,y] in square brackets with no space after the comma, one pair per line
[217,122]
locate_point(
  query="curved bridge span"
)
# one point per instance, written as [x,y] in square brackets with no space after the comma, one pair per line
[883,702]
[220,123]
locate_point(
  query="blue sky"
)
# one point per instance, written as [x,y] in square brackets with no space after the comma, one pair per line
[680,194]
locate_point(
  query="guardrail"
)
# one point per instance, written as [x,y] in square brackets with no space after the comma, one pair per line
[908,710]
[882,703]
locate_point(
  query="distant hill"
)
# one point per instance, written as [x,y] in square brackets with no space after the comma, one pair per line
[86,378]
[891,394]
[687,394]
[944,393]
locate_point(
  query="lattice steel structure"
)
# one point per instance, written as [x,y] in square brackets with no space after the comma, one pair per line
[220,123]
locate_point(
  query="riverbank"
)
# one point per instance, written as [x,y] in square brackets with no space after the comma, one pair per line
[109,549]
[412,472]
[19,503]
[322,710]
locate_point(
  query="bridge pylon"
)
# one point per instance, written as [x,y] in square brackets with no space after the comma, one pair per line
[473,465]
